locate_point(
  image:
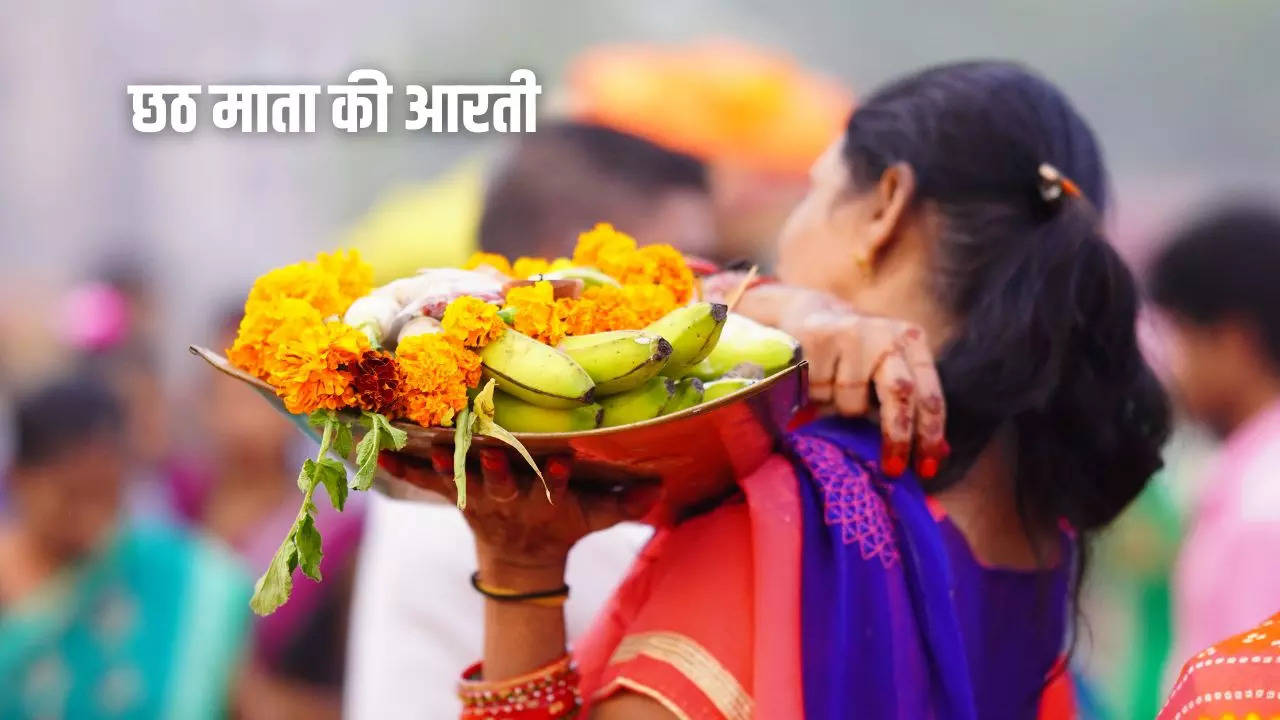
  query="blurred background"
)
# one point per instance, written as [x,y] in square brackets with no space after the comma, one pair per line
[1182,96]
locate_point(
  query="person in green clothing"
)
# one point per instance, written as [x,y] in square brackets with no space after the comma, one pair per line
[100,617]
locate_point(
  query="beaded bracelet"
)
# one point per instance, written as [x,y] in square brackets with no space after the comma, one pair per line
[548,693]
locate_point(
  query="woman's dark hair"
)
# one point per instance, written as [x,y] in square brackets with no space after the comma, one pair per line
[1047,341]
[1223,267]
[57,417]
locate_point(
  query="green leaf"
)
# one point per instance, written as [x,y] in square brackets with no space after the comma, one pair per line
[333,475]
[273,588]
[508,315]
[392,437]
[382,435]
[366,460]
[342,440]
[461,444]
[307,540]
[319,418]
[485,425]
[307,475]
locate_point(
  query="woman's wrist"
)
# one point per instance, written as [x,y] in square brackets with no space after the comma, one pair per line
[518,574]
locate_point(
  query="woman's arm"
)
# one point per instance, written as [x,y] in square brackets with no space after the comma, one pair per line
[522,544]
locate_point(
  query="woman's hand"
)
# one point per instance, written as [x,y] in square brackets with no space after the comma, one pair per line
[514,524]
[852,355]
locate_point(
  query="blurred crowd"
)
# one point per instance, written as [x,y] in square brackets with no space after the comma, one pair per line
[135,515]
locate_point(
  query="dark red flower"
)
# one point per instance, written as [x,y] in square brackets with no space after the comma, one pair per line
[378,382]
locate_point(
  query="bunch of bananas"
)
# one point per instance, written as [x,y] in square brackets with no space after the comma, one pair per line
[696,353]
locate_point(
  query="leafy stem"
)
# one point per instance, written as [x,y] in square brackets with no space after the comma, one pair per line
[302,545]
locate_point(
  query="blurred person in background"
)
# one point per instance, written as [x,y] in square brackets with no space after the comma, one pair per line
[1216,283]
[409,628]
[241,489]
[756,119]
[100,616]
[568,176]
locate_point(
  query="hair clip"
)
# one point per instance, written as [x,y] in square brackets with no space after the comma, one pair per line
[1053,184]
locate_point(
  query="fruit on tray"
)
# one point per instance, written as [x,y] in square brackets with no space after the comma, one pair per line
[744,340]
[692,330]
[618,360]
[536,373]
[517,415]
[643,403]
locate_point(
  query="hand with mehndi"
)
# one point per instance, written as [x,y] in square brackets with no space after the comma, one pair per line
[856,361]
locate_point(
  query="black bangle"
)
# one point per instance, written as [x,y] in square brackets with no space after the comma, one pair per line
[506,595]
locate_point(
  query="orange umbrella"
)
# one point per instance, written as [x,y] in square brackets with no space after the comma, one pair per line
[720,101]
[1238,678]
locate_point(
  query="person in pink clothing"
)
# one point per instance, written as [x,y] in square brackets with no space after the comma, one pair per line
[1218,282]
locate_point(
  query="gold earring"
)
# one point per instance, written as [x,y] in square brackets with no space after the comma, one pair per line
[864,264]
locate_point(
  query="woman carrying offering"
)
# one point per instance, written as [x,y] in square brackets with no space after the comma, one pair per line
[961,206]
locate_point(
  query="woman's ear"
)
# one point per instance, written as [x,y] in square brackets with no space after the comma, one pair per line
[887,207]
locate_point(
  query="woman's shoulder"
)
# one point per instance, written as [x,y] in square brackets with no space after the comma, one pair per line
[688,642]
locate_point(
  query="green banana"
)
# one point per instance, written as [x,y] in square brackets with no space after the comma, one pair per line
[643,403]
[692,330]
[744,340]
[589,276]
[717,389]
[618,360]
[688,393]
[536,373]
[517,415]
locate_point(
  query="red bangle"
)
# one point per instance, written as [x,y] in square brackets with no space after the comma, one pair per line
[548,693]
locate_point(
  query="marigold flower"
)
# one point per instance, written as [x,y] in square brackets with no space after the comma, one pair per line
[472,322]
[491,259]
[660,265]
[604,248]
[354,275]
[437,372]
[378,382]
[536,312]
[526,267]
[252,350]
[313,364]
[648,302]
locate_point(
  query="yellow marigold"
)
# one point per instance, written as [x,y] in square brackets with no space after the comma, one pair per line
[605,248]
[313,364]
[536,312]
[492,259]
[660,265]
[437,372]
[354,275]
[560,264]
[472,322]
[649,302]
[525,267]
[253,349]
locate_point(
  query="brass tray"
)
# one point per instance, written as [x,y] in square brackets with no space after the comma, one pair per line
[697,453]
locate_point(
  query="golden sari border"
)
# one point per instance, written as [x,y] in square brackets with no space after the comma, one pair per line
[642,689]
[694,662]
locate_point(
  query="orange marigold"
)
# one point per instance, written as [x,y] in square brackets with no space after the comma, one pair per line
[472,322]
[536,312]
[491,259]
[660,265]
[648,302]
[437,372]
[253,350]
[604,248]
[313,364]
